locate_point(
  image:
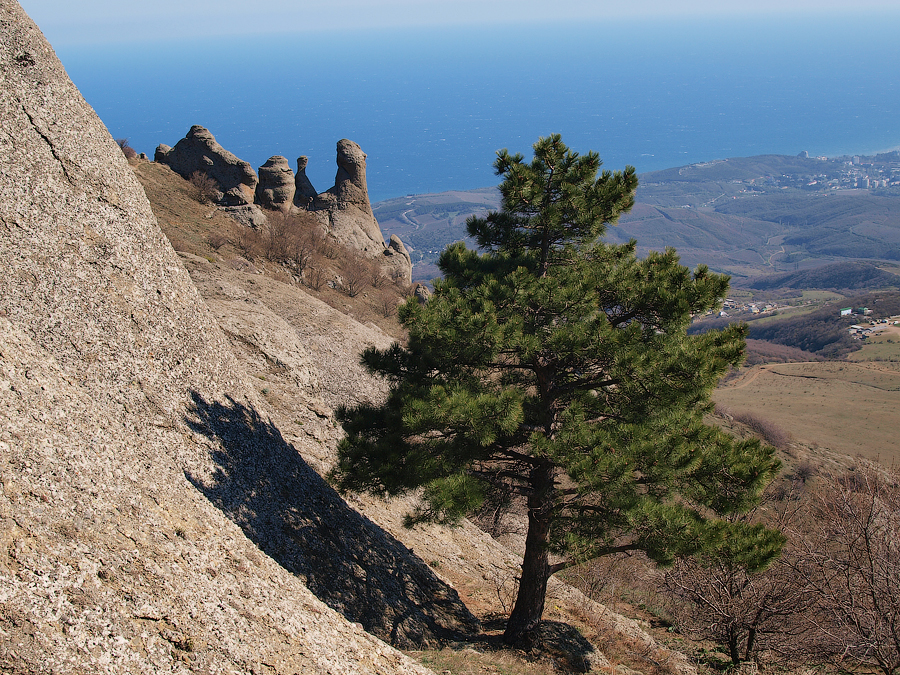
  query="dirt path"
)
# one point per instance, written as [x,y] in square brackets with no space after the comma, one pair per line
[747,379]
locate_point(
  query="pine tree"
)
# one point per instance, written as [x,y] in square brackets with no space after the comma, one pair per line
[555,368]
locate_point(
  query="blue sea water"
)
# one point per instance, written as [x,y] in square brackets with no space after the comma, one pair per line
[431,107]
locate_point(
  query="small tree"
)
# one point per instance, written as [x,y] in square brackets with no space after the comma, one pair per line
[127,150]
[556,368]
[719,599]
[356,272]
[205,189]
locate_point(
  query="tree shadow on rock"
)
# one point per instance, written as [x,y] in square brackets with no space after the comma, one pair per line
[283,506]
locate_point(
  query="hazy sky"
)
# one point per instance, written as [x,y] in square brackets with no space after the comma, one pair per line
[68,22]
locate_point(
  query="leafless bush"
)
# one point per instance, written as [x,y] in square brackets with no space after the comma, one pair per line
[806,470]
[608,579]
[379,278]
[315,277]
[331,249]
[747,612]
[205,189]
[850,566]
[505,587]
[387,304]
[356,271]
[294,239]
[247,241]
[770,432]
[127,150]
[217,240]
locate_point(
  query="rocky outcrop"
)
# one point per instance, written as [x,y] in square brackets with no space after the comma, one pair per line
[346,213]
[152,517]
[345,210]
[199,151]
[276,184]
[398,259]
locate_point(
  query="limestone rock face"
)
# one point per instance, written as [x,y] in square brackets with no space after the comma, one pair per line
[422,293]
[199,151]
[346,213]
[350,181]
[276,183]
[132,447]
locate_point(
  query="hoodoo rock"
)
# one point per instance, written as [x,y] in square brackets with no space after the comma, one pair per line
[345,210]
[304,190]
[276,183]
[199,151]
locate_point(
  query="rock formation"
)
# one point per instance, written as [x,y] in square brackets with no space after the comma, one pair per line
[199,151]
[398,259]
[344,210]
[346,213]
[304,192]
[144,510]
[276,184]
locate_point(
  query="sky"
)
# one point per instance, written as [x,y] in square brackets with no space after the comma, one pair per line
[66,23]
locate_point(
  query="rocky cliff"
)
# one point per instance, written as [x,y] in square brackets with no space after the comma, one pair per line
[138,531]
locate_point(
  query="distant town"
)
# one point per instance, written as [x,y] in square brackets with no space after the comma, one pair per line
[881,172]
[735,308]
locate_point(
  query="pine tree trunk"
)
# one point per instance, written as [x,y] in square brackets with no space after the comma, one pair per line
[529,607]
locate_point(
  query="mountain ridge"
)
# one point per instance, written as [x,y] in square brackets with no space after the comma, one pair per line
[741,216]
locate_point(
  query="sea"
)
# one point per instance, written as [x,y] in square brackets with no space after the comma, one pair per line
[431,106]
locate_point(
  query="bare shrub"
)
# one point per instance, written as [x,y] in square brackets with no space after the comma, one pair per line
[387,304]
[356,272]
[748,612]
[770,432]
[504,585]
[294,239]
[127,150]
[217,240]
[315,277]
[805,470]
[331,249]
[278,237]
[379,278]
[850,567]
[205,189]
[247,241]
[608,579]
